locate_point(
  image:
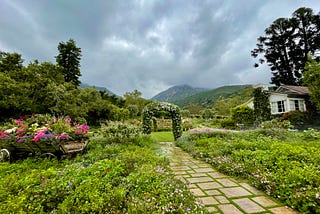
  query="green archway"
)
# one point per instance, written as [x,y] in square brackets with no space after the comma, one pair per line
[150,110]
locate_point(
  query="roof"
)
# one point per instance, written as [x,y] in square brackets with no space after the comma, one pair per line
[293,89]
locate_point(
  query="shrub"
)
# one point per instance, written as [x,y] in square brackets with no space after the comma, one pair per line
[227,123]
[311,134]
[295,117]
[119,132]
[276,124]
[242,115]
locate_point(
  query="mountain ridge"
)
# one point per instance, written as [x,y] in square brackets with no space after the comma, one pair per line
[177,92]
[99,88]
[205,98]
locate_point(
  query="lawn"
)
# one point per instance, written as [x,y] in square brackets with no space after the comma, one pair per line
[163,136]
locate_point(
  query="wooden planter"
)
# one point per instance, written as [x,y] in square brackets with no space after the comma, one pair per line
[10,151]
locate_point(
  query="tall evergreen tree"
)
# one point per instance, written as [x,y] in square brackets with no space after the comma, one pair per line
[69,58]
[286,46]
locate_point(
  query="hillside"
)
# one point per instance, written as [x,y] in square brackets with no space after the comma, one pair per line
[84,85]
[177,93]
[207,98]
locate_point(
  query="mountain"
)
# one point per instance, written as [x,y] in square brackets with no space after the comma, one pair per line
[84,85]
[175,93]
[185,95]
[207,98]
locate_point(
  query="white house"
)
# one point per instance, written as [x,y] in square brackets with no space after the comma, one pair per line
[286,98]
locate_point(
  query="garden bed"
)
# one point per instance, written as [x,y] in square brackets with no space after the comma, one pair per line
[283,164]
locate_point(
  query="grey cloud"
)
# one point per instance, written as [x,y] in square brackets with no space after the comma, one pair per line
[147,45]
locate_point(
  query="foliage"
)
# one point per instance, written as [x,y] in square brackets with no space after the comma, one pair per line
[286,169]
[151,110]
[69,58]
[223,105]
[208,113]
[286,45]
[119,132]
[276,123]
[295,117]
[311,134]
[10,61]
[134,100]
[227,123]
[262,111]
[185,113]
[242,115]
[311,78]
[116,178]
[43,128]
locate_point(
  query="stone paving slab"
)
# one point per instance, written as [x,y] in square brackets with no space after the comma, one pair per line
[248,205]
[218,192]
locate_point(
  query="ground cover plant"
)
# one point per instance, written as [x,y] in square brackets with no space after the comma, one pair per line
[112,177]
[283,164]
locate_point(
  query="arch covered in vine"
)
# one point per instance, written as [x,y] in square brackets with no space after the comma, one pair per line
[152,108]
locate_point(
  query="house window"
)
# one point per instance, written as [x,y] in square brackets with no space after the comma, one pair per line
[281,106]
[297,105]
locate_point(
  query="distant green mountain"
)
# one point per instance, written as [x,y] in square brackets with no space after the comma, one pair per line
[175,93]
[84,85]
[207,98]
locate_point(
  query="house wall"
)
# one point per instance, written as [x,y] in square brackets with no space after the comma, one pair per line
[277,99]
[288,103]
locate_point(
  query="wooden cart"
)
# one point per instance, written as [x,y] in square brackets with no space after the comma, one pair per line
[10,151]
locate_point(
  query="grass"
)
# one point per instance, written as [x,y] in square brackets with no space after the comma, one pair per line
[163,136]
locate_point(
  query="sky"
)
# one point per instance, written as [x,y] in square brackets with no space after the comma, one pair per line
[148,45]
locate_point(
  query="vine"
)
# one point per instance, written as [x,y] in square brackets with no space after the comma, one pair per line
[261,104]
[151,109]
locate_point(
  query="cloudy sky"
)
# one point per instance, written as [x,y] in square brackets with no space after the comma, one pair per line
[148,45]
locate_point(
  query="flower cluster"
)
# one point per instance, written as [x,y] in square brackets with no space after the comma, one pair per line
[43,128]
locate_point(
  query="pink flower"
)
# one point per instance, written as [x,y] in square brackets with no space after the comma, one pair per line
[18,121]
[38,136]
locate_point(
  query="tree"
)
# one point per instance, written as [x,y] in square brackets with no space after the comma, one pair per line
[134,98]
[311,78]
[286,46]
[69,58]
[10,62]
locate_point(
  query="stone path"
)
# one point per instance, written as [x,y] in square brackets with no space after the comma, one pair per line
[218,192]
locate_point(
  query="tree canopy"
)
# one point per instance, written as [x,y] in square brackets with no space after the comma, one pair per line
[69,58]
[311,78]
[41,88]
[286,45]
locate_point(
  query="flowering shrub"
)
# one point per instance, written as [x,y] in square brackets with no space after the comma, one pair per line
[43,128]
[119,132]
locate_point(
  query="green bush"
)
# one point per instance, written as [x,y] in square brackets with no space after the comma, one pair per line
[311,134]
[276,123]
[227,123]
[296,118]
[243,115]
[118,132]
